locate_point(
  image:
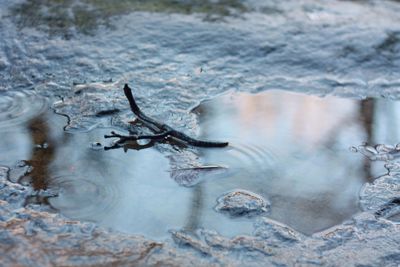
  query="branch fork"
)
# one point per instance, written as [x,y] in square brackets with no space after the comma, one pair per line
[162,132]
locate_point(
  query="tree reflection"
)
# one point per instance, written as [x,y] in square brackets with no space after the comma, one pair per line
[367,109]
[195,210]
[43,155]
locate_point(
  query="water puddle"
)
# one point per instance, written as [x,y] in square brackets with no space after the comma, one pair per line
[293,149]
[290,149]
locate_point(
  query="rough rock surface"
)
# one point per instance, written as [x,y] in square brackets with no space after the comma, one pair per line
[32,236]
[242,203]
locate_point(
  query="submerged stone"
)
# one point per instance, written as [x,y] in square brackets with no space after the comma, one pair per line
[19,171]
[192,175]
[378,152]
[276,232]
[381,196]
[242,203]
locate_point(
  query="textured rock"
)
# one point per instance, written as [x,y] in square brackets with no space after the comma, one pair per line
[32,237]
[242,203]
[98,102]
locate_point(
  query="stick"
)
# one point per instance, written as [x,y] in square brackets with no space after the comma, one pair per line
[161,130]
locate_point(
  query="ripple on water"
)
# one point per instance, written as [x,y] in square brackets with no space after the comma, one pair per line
[237,156]
[291,149]
[252,155]
[82,198]
[19,107]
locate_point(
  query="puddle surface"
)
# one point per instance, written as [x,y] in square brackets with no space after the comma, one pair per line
[292,149]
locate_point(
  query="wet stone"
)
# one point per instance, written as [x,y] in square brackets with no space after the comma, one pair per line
[3,64]
[242,242]
[44,239]
[395,218]
[379,152]
[19,171]
[14,194]
[3,172]
[193,175]
[390,209]
[274,231]
[376,196]
[242,203]
[92,104]
[183,238]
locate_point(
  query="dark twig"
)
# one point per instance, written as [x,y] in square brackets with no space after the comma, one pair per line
[161,131]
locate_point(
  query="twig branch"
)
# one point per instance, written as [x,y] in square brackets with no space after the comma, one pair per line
[162,131]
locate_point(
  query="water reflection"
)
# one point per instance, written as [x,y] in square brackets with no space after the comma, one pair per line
[291,149]
[42,154]
[367,108]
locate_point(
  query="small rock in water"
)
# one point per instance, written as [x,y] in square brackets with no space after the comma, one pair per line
[20,170]
[378,152]
[353,149]
[242,203]
[96,146]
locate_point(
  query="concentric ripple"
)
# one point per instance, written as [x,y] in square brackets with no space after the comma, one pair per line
[81,197]
[251,155]
[289,148]
[19,107]
[239,155]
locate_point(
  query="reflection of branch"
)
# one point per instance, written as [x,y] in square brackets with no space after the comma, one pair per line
[131,145]
[123,138]
[162,131]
